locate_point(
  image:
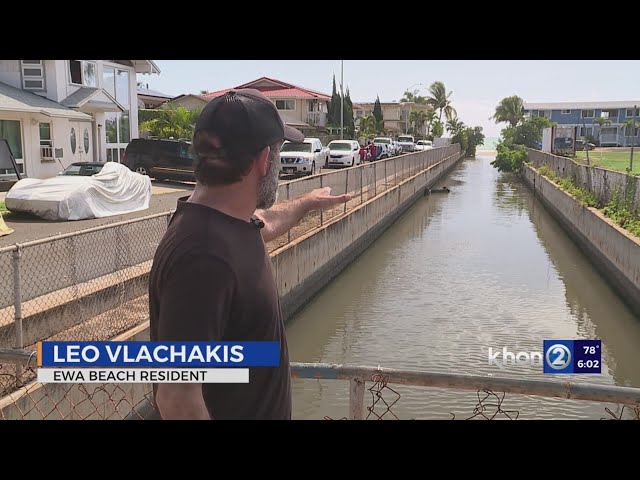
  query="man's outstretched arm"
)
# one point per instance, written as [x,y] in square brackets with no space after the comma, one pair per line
[286,215]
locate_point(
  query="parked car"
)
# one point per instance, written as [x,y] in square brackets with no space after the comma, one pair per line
[583,145]
[83,169]
[160,158]
[345,153]
[114,190]
[386,147]
[303,158]
[407,142]
[424,144]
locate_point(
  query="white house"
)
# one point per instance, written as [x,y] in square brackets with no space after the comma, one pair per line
[55,112]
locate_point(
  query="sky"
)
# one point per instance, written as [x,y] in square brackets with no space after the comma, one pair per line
[477,85]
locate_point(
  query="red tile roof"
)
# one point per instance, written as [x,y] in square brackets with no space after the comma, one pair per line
[281,90]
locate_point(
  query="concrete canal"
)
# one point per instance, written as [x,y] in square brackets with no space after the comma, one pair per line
[483,266]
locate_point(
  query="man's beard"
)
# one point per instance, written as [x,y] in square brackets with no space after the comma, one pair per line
[268,193]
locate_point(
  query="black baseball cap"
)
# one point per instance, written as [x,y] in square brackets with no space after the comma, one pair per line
[245,120]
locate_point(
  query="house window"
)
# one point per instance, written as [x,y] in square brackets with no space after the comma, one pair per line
[72,139]
[109,80]
[45,135]
[609,114]
[629,112]
[82,72]
[588,113]
[32,74]
[11,132]
[586,131]
[565,112]
[286,104]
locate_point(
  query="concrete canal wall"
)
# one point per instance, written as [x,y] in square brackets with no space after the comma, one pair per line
[303,267]
[613,250]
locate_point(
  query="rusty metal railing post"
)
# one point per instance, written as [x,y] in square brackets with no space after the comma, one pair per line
[385,174]
[321,214]
[356,399]
[361,186]
[375,181]
[395,172]
[17,305]
[346,190]
[288,231]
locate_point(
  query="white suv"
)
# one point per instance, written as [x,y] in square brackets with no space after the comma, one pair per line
[344,153]
[303,158]
[407,142]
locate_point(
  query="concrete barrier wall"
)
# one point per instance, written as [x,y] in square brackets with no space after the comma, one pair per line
[613,250]
[601,181]
[307,264]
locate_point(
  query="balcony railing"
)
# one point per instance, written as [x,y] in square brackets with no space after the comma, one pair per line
[317,119]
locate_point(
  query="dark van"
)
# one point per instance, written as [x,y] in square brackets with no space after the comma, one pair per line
[160,158]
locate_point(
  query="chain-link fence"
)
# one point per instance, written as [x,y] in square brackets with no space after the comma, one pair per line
[86,285]
[374,393]
[23,398]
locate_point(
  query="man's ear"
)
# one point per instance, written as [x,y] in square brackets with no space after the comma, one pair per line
[262,161]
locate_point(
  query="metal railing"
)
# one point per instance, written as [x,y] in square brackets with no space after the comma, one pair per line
[380,378]
[317,119]
[363,182]
[27,399]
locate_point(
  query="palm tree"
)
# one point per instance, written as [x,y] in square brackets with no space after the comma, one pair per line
[368,125]
[430,116]
[509,110]
[417,118]
[630,125]
[439,100]
[455,126]
[601,122]
[172,122]
[414,97]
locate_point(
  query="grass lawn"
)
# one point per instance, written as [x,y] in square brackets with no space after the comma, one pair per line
[612,160]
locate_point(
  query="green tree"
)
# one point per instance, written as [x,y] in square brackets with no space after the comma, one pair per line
[528,133]
[455,126]
[417,118]
[439,99]
[475,137]
[333,115]
[430,116]
[377,110]
[437,129]
[509,158]
[349,126]
[414,97]
[601,122]
[176,122]
[368,125]
[509,110]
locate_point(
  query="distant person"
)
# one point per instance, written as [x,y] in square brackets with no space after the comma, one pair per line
[372,151]
[211,278]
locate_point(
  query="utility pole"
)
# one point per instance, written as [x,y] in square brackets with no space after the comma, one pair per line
[633,138]
[341,99]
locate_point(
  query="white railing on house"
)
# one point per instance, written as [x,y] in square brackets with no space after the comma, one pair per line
[317,119]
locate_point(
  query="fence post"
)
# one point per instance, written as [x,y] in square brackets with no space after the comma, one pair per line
[17,305]
[395,172]
[356,399]
[321,216]
[385,174]
[288,231]
[361,186]
[346,190]
[375,181]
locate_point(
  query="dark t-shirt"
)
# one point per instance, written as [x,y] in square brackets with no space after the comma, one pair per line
[212,280]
